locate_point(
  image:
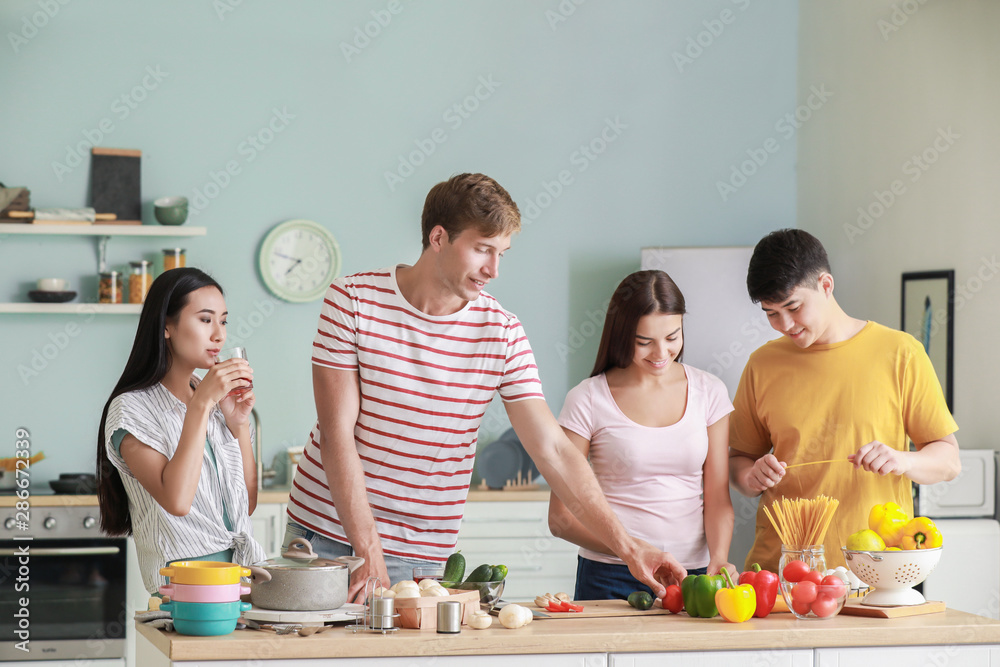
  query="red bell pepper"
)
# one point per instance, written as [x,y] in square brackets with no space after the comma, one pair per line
[765,586]
[563,606]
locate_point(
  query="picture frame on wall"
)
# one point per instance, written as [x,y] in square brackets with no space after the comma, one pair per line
[928,314]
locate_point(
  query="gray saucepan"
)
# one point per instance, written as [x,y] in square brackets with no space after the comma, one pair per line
[301,581]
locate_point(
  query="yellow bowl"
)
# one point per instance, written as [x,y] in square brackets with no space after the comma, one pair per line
[201,572]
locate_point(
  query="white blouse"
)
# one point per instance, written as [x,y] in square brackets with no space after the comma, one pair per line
[155,417]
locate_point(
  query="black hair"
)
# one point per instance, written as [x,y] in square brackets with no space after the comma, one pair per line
[147,364]
[641,293]
[783,260]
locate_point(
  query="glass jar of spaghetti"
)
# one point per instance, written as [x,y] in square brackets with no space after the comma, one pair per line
[109,288]
[139,281]
[174,258]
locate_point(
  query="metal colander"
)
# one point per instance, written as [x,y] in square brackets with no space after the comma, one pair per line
[892,574]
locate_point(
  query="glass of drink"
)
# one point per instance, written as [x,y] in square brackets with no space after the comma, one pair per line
[435,572]
[235,353]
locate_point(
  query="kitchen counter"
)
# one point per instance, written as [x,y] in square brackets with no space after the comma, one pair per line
[272,496]
[655,634]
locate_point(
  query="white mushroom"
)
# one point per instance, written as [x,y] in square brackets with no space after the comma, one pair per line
[514,616]
[480,620]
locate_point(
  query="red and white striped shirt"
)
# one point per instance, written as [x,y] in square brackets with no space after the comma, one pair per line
[425,383]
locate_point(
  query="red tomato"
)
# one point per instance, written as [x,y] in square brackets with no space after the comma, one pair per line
[824,606]
[794,571]
[832,586]
[800,608]
[813,576]
[673,601]
[804,592]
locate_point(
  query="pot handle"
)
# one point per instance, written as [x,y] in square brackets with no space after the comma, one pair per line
[259,575]
[300,549]
[352,562]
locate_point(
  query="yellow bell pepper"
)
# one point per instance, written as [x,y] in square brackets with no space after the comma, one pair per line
[735,603]
[888,521]
[921,533]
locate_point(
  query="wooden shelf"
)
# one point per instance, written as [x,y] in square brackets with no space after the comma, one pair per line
[73,308]
[100,230]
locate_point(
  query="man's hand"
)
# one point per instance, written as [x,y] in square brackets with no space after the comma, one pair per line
[765,473]
[880,459]
[374,566]
[657,569]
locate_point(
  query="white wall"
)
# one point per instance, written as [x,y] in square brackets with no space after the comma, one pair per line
[903,75]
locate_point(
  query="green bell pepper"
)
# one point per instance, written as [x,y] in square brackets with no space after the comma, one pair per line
[698,591]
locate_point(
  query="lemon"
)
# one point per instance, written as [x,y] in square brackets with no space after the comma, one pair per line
[865,540]
[893,549]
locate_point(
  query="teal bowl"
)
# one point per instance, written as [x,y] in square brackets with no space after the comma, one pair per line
[205,611]
[204,628]
[171,210]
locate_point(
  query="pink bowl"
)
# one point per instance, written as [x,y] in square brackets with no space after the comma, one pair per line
[205,592]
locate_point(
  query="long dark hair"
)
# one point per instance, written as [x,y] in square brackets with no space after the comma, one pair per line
[641,293]
[146,366]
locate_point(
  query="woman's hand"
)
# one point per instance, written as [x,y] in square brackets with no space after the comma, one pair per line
[222,379]
[236,406]
[715,567]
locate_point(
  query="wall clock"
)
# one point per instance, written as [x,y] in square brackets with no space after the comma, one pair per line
[298,259]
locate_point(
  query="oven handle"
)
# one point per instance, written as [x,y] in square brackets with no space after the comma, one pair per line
[69,551]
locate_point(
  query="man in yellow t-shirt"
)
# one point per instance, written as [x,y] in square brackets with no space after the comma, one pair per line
[832,387]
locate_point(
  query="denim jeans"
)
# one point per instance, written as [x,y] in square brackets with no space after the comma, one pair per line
[399,569]
[609,581]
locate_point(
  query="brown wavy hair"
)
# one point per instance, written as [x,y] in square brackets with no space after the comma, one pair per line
[469,200]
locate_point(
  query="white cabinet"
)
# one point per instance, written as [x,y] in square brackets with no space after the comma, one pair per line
[792,658]
[907,656]
[516,534]
[269,521]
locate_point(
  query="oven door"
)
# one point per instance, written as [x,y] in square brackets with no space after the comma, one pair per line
[64,600]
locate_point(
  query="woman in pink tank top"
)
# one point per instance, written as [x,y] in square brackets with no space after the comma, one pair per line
[656,433]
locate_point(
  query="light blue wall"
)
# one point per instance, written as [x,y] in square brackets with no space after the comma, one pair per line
[556,84]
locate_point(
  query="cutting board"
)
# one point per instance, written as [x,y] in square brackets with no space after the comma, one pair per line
[853,607]
[600,608]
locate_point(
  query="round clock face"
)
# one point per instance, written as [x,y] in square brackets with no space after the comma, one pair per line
[298,259]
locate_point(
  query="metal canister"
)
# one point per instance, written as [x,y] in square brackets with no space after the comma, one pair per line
[382,613]
[449,617]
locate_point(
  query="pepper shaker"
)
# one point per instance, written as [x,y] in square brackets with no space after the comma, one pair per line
[449,617]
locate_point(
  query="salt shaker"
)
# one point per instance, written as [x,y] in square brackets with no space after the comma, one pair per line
[449,617]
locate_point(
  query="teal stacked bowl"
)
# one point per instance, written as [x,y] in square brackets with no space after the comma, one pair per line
[205,619]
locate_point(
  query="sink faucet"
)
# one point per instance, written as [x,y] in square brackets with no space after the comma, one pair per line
[262,473]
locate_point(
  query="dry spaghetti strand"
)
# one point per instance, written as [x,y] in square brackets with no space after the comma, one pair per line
[802,522]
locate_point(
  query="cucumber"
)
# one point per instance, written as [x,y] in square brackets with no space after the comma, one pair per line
[454,569]
[641,600]
[481,574]
[499,573]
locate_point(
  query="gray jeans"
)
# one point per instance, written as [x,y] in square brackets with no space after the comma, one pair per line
[400,569]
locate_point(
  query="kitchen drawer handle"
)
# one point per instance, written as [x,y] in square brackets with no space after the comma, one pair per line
[70,551]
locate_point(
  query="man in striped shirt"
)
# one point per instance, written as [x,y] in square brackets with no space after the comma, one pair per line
[405,362]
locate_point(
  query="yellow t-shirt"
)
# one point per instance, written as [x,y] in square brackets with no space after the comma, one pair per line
[825,402]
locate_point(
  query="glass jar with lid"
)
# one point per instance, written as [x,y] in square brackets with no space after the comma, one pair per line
[174,258]
[110,287]
[139,281]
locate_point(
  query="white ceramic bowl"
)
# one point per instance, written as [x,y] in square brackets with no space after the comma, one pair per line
[52,284]
[892,574]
